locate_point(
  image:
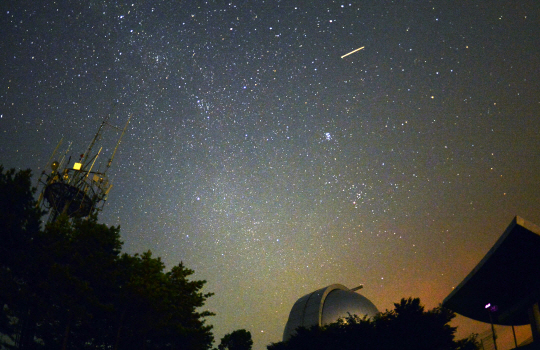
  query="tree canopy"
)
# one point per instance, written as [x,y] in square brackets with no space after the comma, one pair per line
[237,340]
[68,285]
[408,326]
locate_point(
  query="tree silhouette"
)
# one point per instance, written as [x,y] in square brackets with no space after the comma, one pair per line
[69,286]
[75,276]
[19,223]
[168,302]
[237,340]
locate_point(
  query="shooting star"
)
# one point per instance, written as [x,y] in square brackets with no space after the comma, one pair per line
[353,51]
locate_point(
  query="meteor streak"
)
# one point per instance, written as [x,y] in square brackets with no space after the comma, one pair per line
[353,51]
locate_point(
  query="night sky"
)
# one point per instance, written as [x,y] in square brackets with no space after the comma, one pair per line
[272,166]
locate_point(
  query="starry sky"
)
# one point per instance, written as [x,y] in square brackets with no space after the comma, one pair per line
[271,165]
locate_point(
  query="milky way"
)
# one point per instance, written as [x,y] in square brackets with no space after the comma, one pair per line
[271,165]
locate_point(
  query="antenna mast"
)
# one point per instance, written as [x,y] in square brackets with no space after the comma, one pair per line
[77,190]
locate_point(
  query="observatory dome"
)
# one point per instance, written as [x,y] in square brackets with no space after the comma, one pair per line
[325,306]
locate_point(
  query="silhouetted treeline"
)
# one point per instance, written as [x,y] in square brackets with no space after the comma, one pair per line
[68,286]
[240,339]
[407,327]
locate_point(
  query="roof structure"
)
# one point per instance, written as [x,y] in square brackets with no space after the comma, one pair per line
[506,282]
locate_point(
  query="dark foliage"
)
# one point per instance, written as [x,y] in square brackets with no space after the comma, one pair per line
[406,327]
[69,286]
[237,340]
[19,224]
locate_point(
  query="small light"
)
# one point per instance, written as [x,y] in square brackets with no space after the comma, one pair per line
[488,306]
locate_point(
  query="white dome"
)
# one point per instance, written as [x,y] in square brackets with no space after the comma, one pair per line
[326,306]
